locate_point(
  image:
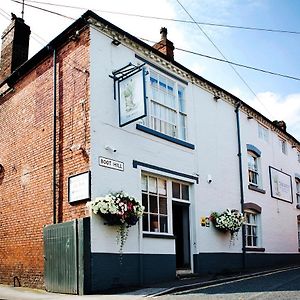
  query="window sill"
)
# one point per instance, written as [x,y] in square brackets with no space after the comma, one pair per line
[255,249]
[256,189]
[165,137]
[158,236]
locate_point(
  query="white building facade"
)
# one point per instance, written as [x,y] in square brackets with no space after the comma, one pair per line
[198,150]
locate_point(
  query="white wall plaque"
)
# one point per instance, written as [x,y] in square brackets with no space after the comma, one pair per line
[110,163]
[281,185]
[79,187]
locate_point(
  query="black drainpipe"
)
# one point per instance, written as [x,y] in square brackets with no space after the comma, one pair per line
[237,111]
[54,137]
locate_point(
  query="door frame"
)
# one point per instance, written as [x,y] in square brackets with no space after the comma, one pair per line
[187,241]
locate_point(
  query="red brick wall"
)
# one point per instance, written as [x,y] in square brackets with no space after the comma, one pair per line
[26,152]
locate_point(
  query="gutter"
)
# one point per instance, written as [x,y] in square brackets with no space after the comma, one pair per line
[237,112]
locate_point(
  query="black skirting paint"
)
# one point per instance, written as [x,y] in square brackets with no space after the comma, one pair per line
[115,271]
[205,263]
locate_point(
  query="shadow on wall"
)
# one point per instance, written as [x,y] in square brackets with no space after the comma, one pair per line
[2,172]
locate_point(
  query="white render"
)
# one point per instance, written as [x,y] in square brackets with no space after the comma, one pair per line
[212,129]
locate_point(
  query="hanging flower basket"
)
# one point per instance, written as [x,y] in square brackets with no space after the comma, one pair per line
[111,219]
[230,220]
[118,209]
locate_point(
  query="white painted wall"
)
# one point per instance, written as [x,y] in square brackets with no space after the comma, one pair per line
[212,129]
[278,218]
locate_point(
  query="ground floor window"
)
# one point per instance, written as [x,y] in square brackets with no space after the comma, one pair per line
[252,229]
[154,198]
[157,196]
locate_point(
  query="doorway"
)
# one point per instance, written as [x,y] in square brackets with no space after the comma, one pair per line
[181,231]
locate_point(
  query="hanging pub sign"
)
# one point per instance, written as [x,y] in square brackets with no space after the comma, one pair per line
[281,185]
[130,81]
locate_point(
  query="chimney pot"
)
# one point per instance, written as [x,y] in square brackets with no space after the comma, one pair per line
[164,45]
[163,33]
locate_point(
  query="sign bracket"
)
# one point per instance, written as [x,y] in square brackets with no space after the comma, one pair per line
[124,73]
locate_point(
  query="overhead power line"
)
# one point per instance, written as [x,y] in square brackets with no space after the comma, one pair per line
[46,10]
[240,65]
[230,62]
[5,14]
[179,49]
[171,19]
[35,36]
[225,59]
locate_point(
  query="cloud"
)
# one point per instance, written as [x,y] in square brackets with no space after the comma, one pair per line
[275,106]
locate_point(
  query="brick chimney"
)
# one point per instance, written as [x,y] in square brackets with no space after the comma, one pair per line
[280,124]
[15,45]
[164,45]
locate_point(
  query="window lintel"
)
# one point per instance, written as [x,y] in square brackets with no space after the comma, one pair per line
[254,149]
[252,206]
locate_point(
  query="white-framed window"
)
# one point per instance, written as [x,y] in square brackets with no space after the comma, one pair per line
[155,201]
[157,196]
[263,132]
[283,145]
[298,156]
[166,106]
[253,169]
[298,191]
[180,191]
[252,229]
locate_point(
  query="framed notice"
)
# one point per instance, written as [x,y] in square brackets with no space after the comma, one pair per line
[281,185]
[132,98]
[79,187]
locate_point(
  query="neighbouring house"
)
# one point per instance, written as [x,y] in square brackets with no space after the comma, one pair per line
[98,111]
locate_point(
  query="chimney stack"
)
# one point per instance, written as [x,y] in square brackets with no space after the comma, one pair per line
[164,45]
[15,45]
[280,124]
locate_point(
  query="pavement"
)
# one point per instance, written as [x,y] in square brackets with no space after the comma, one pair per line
[187,282]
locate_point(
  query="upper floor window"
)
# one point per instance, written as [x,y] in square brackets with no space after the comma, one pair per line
[283,146]
[263,132]
[253,169]
[298,156]
[167,106]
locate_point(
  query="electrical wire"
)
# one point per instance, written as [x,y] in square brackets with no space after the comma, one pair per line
[179,49]
[224,57]
[5,14]
[43,43]
[170,19]
[46,10]
[35,36]
[240,65]
[230,62]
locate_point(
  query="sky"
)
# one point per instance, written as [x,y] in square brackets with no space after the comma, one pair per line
[275,97]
